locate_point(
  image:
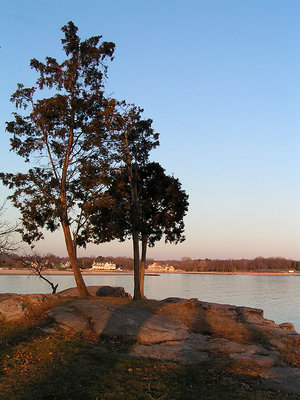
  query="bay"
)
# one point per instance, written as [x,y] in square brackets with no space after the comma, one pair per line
[278,296]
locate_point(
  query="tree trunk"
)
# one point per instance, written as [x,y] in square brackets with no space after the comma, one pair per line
[138,292]
[82,289]
[134,216]
[143,262]
[54,287]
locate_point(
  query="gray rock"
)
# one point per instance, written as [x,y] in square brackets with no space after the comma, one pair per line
[15,306]
[287,325]
[49,330]
[239,314]
[194,349]
[110,291]
[282,378]
[102,291]
[177,351]
[248,315]
[180,301]
[65,316]
[228,347]
[256,360]
[73,291]
[164,336]
[126,322]
[278,344]
[12,309]
[200,342]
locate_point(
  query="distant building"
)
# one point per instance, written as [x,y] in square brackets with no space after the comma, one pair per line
[156,267]
[104,266]
[66,264]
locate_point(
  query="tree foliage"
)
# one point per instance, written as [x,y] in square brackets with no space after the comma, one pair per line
[161,207]
[133,139]
[67,137]
[88,150]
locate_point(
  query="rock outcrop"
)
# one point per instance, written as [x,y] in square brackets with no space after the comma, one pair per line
[125,322]
[16,306]
[101,291]
[109,291]
[187,331]
[191,331]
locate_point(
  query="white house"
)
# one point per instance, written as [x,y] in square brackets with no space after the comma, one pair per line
[155,267]
[104,266]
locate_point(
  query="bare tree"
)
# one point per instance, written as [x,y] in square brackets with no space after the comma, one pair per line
[7,229]
[37,264]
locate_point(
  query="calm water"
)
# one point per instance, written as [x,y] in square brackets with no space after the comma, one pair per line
[278,296]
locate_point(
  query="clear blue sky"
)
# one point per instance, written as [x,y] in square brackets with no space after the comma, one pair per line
[219,78]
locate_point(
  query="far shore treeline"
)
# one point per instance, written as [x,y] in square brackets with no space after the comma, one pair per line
[258,264]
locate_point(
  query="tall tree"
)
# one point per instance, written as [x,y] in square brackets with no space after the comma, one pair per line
[66,135]
[162,205]
[133,138]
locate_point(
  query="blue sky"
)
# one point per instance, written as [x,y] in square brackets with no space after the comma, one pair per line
[219,78]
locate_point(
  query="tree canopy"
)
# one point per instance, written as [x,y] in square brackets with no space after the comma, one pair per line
[160,209]
[134,138]
[66,135]
[89,154]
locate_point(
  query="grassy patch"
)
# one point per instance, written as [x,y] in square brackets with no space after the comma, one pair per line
[36,366]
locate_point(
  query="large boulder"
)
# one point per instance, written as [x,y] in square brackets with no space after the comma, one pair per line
[16,306]
[73,291]
[12,308]
[101,291]
[110,291]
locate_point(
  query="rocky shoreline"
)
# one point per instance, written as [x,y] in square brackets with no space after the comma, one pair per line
[179,330]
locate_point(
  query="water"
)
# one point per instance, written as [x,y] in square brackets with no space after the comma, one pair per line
[278,296]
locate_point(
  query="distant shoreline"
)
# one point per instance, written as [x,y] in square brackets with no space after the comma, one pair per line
[70,272]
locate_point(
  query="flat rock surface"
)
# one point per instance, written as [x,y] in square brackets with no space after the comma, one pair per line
[128,323]
[180,330]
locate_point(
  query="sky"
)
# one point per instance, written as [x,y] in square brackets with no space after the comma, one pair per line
[219,78]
